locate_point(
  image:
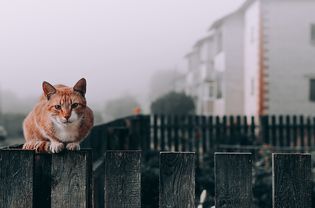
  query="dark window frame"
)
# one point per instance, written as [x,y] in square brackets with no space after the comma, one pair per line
[312,33]
[312,90]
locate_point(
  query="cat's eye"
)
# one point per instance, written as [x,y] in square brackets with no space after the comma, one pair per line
[74,105]
[58,107]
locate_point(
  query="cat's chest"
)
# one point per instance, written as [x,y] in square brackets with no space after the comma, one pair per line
[67,133]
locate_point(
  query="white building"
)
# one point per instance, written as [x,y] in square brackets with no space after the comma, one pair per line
[257,60]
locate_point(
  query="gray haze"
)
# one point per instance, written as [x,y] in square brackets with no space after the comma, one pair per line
[117,45]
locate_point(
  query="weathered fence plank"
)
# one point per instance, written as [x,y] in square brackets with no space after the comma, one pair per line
[292,185]
[177,180]
[71,179]
[16,178]
[233,180]
[122,179]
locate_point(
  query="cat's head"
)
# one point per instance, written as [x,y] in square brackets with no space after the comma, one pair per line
[65,105]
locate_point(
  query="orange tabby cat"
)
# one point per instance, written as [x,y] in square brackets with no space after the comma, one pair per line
[60,120]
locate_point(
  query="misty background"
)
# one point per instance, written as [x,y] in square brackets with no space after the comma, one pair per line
[122,48]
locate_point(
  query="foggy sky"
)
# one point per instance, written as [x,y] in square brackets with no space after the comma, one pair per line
[116,45]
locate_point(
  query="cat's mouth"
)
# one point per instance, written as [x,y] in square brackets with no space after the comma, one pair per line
[66,122]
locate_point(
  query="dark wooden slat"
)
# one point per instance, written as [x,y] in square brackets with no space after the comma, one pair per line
[233,180]
[238,129]
[71,179]
[288,129]
[204,134]
[225,139]
[302,131]
[294,130]
[16,178]
[98,183]
[253,130]
[245,129]
[265,129]
[280,130]
[211,137]
[162,128]
[217,139]
[177,180]
[309,131]
[184,134]
[155,132]
[232,135]
[169,130]
[122,179]
[190,133]
[176,130]
[197,138]
[145,132]
[292,185]
[273,131]
[42,186]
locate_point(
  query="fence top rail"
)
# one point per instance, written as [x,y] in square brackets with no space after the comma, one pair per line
[297,154]
[168,152]
[275,148]
[232,153]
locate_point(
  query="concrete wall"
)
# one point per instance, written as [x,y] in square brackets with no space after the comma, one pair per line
[233,47]
[290,55]
[251,58]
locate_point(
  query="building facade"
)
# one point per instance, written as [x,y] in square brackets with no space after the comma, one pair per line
[257,60]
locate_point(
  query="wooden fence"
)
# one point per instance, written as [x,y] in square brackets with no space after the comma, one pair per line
[65,180]
[201,133]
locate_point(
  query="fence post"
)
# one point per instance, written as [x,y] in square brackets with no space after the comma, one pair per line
[16,178]
[71,179]
[177,180]
[233,180]
[291,181]
[122,179]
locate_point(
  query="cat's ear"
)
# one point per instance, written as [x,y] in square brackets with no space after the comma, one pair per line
[48,89]
[80,87]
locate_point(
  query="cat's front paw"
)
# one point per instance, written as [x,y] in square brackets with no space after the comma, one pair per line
[73,146]
[56,147]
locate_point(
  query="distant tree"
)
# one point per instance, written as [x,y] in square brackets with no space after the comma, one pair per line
[162,82]
[120,107]
[173,103]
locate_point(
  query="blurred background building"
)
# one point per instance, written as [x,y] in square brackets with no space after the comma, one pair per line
[256,60]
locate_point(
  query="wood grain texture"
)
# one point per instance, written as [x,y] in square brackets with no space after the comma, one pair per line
[233,180]
[177,180]
[122,179]
[70,179]
[16,178]
[291,183]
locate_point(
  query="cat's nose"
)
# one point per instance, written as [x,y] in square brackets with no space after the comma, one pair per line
[67,117]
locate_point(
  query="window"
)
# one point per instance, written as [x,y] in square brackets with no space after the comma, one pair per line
[252,34]
[219,85]
[219,42]
[211,91]
[313,33]
[312,90]
[252,87]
